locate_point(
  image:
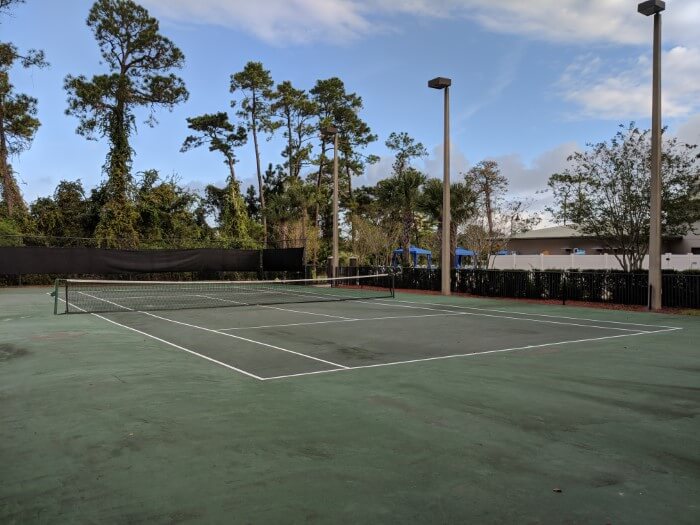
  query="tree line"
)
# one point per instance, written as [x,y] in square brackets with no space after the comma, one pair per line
[604,192]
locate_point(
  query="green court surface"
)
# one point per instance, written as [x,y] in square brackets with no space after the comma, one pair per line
[408,410]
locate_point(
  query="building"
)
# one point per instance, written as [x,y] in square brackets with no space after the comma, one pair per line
[564,240]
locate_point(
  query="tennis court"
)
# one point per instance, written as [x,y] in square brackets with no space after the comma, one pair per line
[284,329]
[162,408]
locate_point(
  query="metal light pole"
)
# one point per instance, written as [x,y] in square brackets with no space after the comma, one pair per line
[445,268]
[648,8]
[328,131]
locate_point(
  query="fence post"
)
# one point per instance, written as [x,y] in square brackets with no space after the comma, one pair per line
[541,262]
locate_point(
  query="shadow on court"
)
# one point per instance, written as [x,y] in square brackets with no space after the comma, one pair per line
[420,409]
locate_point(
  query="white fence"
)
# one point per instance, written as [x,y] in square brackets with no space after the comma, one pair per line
[586,262]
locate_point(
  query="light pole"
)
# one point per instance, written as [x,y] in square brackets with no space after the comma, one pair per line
[328,131]
[445,269]
[648,8]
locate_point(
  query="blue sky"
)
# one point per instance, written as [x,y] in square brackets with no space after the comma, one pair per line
[532,81]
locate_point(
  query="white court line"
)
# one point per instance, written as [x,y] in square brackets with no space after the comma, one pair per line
[343,321]
[503,316]
[379,300]
[245,339]
[393,302]
[485,352]
[169,343]
[340,317]
[275,307]
[342,368]
[220,333]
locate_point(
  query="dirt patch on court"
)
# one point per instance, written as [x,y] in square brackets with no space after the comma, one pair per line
[8,351]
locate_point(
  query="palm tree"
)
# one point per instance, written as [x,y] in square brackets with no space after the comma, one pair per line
[462,207]
[401,194]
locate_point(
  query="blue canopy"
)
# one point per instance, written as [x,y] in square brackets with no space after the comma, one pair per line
[462,252]
[414,252]
[414,249]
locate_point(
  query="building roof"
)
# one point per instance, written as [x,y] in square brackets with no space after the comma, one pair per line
[554,232]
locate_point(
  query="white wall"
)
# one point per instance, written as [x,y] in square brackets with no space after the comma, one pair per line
[586,262]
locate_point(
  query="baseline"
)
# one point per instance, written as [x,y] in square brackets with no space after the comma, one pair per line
[462,307]
[510,317]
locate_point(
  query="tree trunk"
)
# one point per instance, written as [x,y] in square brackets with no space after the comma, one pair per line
[290,146]
[318,184]
[9,190]
[453,242]
[351,205]
[283,231]
[489,211]
[407,225]
[231,169]
[261,187]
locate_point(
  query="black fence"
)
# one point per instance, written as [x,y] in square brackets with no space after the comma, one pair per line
[38,264]
[680,289]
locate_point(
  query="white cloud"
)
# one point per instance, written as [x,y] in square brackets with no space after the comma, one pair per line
[689,131]
[375,172]
[303,21]
[433,166]
[527,178]
[613,91]
[273,21]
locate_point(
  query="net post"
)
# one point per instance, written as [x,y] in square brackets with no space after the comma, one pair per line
[393,284]
[55,297]
[66,296]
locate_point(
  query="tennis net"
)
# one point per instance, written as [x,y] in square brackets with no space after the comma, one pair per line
[94,296]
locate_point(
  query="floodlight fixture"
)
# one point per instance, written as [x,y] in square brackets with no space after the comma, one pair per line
[439,83]
[651,7]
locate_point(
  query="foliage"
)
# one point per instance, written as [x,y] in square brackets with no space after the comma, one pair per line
[10,233]
[6,4]
[65,215]
[220,135]
[168,213]
[18,122]
[256,84]
[294,111]
[374,241]
[462,208]
[138,58]
[605,192]
[487,232]
[401,192]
